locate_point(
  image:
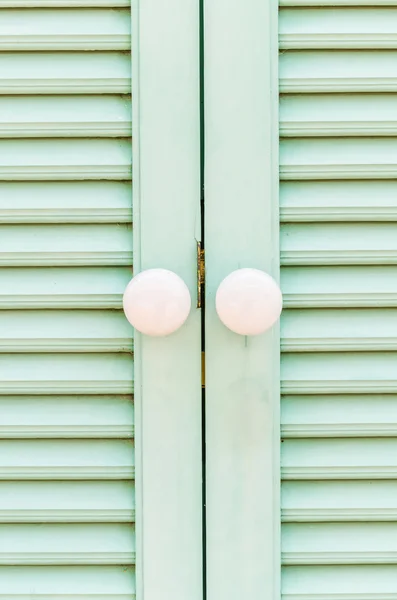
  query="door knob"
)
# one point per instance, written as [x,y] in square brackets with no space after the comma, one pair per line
[157,302]
[249,301]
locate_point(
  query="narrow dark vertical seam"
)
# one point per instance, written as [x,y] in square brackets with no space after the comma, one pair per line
[202,211]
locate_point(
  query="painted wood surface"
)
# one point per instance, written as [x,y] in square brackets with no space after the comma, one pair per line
[168,370]
[338,255]
[65,73]
[242,375]
[91,582]
[81,29]
[63,287]
[67,447]
[65,116]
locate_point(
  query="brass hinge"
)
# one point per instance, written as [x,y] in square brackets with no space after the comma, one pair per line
[200,274]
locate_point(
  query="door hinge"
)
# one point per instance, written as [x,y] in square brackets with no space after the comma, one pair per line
[200,274]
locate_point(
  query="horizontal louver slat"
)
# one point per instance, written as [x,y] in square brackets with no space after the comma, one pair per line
[340,543]
[65,202]
[41,374]
[82,583]
[340,582]
[66,501]
[67,544]
[339,416]
[338,287]
[65,287]
[65,73]
[337,330]
[338,501]
[343,28]
[323,158]
[66,459]
[339,244]
[327,3]
[64,331]
[65,116]
[65,159]
[66,417]
[337,71]
[64,245]
[339,373]
[63,3]
[339,458]
[33,30]
[338,115]
[338,201]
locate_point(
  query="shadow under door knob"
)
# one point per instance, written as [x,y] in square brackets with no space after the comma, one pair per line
[249,302]
[157,302]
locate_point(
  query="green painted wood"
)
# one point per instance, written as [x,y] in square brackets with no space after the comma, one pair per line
[65,73]
[65,116]
[338,201]
[332,3]
[65,202]
[69,544]
[338,501]
[66,459]
[327,71]
[339,287]
[242,378]
[342,115]
[338,247]
[67,375]
[81,29]
[64,331]
[339,416]
[361,582]
[340,543]
[65,245]
[63,288]
[338,28]
[62,3]
[372,158]
[330,330]
[91,582]
[67,501]
[67,417]
[339,373]
[43,159]
[339,244]
[166,132]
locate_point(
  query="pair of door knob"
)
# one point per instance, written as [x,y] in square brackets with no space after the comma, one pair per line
[157,302]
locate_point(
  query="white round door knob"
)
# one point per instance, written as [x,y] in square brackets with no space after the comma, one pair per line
[157,302]
[249,301]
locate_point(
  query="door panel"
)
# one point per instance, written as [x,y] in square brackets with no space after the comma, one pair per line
[166,179]
[100,433]
[241,230]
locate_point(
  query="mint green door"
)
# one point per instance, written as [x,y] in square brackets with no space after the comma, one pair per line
[114,483]
[305,136]
[100,430]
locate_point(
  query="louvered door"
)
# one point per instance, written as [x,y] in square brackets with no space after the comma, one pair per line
[337,204]
[338,250]
[68,503]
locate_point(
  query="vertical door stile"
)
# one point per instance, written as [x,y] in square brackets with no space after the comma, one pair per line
[168,370]
[241,226]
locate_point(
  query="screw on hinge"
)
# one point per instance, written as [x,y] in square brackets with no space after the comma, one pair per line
[200,274]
